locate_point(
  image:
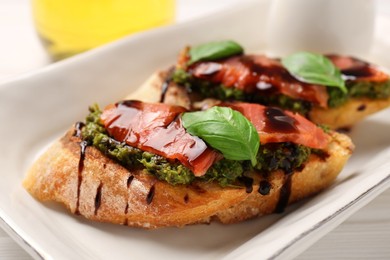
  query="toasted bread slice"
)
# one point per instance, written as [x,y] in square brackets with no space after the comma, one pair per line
[102,190]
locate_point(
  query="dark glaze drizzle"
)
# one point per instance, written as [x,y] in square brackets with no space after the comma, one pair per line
[362,107]
[264,187]
[149,197]
[248,182]
[259,75]
[129,180]
[83,148]
[78,127]
[98,198]
[278,121]
[165,85]
[126,211]
[257,84]
[284,195]
[186,198]
[361,71]
[351,67]
[157,128]
[128,183]
[344,130]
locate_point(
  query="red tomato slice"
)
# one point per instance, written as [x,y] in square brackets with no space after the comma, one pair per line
[276,126]
[258,74]
[157,128]
[358,70]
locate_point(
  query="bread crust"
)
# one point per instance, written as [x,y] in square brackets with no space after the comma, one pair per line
[103,192]
[349,113]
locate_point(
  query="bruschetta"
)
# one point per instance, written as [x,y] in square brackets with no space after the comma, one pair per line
[222,71]
[139,164]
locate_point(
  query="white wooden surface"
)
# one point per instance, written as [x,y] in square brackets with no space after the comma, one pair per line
[365,235]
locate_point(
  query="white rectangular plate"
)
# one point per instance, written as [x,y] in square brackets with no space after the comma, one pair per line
[39,107]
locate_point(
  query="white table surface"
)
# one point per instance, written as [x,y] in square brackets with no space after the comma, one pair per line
[365,235]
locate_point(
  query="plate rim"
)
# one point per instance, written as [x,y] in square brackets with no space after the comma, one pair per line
[12,229]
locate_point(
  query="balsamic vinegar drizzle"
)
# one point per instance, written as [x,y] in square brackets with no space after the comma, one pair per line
[129,180]
[164,89]
[264,187]
[362,107]
[126,211]
[78,127]
[150,195]
[356,69]
[279,121]
[98,198]
[248,182]
[284,196]
[83,147]
[165,84]
[186,198]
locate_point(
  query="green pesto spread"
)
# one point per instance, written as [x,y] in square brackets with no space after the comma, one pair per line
[359,89]
[271,157]
[356,89]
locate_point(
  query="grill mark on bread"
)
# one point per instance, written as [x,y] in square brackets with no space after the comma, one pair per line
[98,198]
[83,148]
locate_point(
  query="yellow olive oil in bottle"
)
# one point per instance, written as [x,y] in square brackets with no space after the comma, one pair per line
[67,27]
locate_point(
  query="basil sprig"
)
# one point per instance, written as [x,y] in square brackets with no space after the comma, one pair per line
[214,50]
[314,68]
[226,130]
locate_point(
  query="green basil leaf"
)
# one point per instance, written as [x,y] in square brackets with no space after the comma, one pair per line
[314,68]
[226,130]
[214,51]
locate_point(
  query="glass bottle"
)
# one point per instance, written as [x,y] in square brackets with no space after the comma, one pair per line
[68,27]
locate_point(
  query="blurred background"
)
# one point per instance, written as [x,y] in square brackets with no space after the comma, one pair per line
[21,51]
